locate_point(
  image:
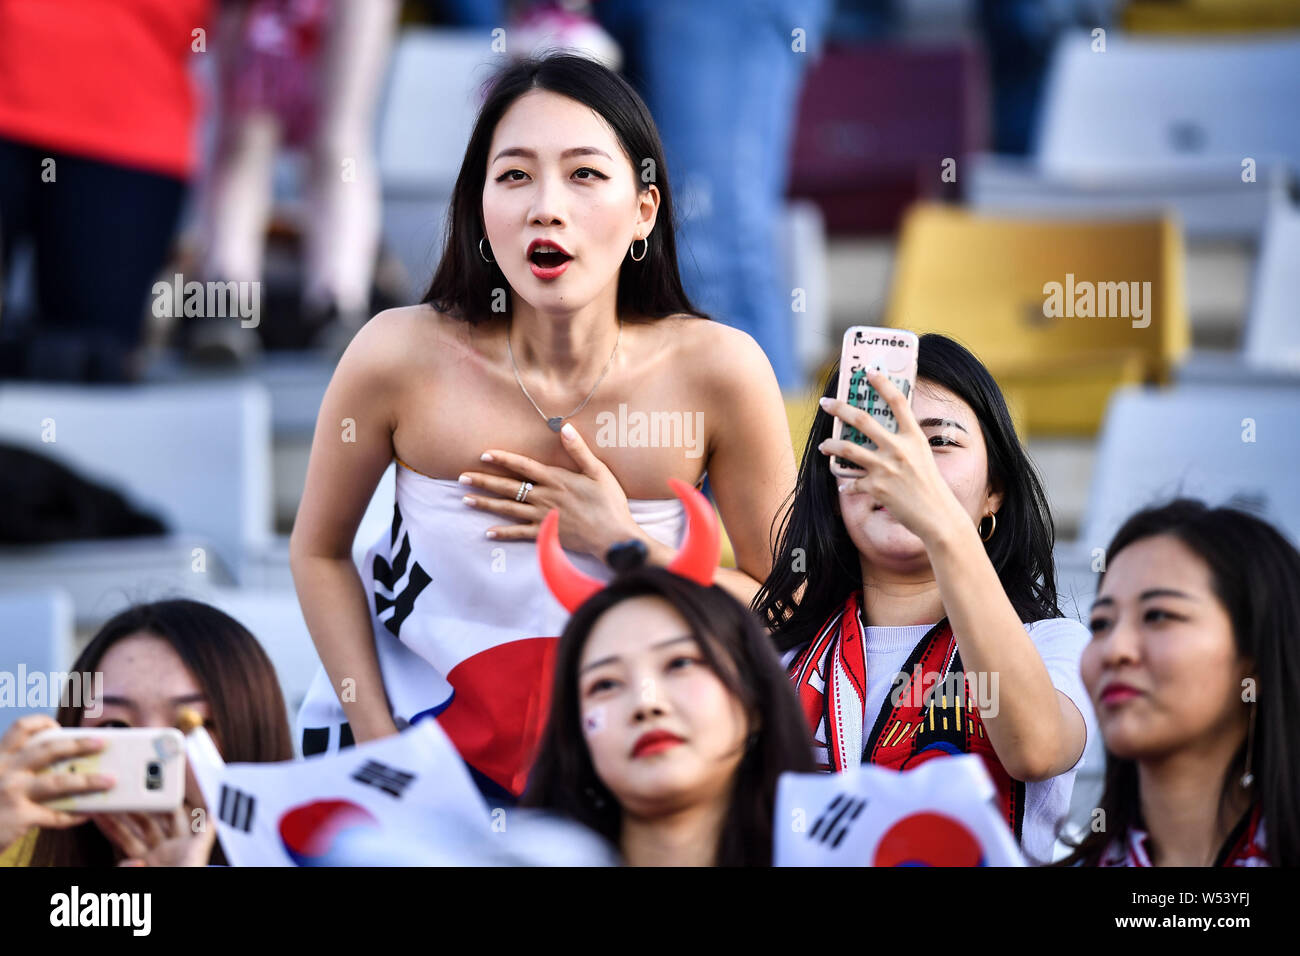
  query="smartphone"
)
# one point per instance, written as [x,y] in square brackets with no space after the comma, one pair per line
[893,351]
[147,762]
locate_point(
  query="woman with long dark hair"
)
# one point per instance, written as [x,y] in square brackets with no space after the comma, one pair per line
[555,363]
[671,718]
[1193,666]
[917,604]
[157,660]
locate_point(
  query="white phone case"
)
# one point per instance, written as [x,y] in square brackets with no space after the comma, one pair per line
[147,762]
[893,351]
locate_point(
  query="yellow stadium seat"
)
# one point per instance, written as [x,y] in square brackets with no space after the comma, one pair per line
[1210,16]
[986,282]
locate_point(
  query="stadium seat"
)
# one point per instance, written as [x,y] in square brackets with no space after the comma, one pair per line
[198,456]
[1222,444]
[428,112]
[876,122]
[1210,16]
[1160,106]
[983,281]
[1272,338]
[37,631]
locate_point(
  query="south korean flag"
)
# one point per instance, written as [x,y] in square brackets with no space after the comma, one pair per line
[941,813]
[385,793]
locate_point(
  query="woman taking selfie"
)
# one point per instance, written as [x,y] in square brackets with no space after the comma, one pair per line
[555,363]
[1193,661]
[671,718]
[157,660]
[936,562]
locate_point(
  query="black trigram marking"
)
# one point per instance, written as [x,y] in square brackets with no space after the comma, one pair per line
[834,822]
[386,778]
[236,808]
[316,740]
[388,575]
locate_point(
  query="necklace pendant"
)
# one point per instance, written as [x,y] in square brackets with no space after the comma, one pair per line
[555,424]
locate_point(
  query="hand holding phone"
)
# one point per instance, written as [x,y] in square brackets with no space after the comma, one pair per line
[25,790]
[893,351]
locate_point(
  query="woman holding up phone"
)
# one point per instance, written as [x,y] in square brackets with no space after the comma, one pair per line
[555,363]
[157,660]
[917,603]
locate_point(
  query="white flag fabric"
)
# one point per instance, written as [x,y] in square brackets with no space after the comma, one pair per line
[405,800]
[939,814]
[300,812]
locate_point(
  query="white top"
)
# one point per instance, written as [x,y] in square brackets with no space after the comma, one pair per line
[1059,642]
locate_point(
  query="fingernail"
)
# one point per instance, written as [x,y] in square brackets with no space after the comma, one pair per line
[468,500]
[102,780]
[491,534]
[568,431]
[825,402]
[465,480]
[485,457]
[96,743]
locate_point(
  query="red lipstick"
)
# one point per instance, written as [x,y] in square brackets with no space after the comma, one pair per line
[653,742]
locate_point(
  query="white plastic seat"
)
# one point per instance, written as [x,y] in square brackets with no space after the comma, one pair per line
[1150,104]
[1272,338]
[197,456]
[36,635]
[434,91]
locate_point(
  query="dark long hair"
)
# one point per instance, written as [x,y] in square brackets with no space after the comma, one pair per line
[463,284]
[814,547]
[1256,576]
[249,723]
[563,778]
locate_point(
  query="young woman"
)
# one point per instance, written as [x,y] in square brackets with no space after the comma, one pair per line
[555,363]
[671,717]
[1193,660]
[937,563]
[158,659]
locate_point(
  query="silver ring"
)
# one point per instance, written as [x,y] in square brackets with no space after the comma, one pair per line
[524,488]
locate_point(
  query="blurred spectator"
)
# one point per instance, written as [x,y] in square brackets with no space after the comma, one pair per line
[299,74]
[96,115]
[157,659]
[722,80]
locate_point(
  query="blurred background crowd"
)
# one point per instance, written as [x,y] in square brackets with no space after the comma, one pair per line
[928,164]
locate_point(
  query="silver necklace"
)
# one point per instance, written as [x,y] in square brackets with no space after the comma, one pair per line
[556,423]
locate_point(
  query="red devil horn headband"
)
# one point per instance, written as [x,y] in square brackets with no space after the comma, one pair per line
[696,560]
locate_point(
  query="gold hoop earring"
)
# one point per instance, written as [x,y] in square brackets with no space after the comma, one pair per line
[645,248]
[993,525]
[481,252]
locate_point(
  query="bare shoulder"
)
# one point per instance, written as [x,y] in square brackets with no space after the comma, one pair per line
[723,360]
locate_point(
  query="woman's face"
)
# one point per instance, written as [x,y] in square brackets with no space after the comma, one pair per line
[147,685]
[663,731]
[556,172]
[958,446]
[1162,667]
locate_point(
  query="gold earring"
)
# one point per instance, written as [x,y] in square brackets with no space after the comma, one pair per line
[993,525]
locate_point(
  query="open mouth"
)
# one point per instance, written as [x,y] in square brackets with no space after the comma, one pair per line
[549,258]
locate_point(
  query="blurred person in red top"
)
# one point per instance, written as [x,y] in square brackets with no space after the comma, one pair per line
[97,117]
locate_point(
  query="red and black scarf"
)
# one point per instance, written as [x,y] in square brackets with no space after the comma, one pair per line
[1245,846]
[830,678]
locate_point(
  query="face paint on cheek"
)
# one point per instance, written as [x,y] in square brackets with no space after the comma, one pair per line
[593,721]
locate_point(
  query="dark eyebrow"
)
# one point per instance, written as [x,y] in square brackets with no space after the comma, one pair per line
[531,154]
[615,657]
[942,423]
[128,702]
[1146,596]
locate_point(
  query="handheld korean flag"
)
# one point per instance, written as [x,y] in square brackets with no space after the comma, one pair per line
[939,814]
[300,812]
